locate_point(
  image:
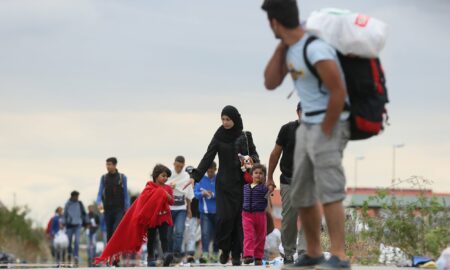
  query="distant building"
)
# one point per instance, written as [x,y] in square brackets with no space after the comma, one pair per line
[356,198]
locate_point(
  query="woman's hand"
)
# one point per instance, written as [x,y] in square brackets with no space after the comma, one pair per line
[191,182]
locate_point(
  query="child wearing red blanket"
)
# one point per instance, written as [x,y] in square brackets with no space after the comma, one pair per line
[148,214]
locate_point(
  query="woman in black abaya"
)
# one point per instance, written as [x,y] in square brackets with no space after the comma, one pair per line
[228,141]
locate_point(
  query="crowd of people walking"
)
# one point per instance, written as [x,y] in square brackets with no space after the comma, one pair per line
[230,207]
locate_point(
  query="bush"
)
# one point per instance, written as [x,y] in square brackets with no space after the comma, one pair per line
[417,227]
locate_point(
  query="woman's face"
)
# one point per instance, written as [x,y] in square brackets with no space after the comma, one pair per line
[227,122]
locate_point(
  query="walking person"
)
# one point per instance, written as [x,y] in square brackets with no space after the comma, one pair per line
[318,177]
[254,218]
[205,192]
[149,215]
[74,218]
[292,239]
[93,223]
[53,228]
[228,141]
[181,207]
[113,196]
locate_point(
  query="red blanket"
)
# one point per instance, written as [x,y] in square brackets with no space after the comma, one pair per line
[149,210]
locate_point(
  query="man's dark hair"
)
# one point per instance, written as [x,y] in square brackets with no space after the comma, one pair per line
[159,169]
[284,11]
[113,160]
[74,193]
[261,167]
[180,159]
[213,165]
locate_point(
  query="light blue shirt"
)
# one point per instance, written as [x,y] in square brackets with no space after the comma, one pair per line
[307,86]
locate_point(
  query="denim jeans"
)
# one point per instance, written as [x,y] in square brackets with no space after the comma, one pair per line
[208,225]
[177,231]
[112,219]
[91,248]
[73,231]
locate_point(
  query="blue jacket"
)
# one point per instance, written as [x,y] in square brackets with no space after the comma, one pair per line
[206,205]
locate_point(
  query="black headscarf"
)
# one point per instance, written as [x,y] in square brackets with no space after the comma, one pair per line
[230,135]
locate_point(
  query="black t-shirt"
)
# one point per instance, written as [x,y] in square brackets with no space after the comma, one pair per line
[286,139]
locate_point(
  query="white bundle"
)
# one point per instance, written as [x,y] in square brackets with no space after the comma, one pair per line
[61,241]
[443,263]
[350,33]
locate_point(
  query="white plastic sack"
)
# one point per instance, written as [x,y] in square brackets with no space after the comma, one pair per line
[443,263]
[61,241]
[350,33]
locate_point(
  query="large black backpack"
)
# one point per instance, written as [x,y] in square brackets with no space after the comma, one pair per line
[366,88]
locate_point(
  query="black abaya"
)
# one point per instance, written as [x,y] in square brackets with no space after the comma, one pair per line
[229,186]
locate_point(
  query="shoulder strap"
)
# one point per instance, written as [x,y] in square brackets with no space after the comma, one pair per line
[121,180]
[246,140]
[308,64]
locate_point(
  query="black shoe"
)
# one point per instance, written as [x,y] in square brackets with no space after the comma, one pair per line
[167,260]
[304,262]
[224,257]
[151,263]
[258,261]
[236,261]
[288,259]
[190,259]
[334,263]
[248,260]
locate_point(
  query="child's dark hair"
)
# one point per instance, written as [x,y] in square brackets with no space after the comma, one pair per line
[113,160]
[213,165]
[284,11]
[261,167]
[180,159]
[159,169]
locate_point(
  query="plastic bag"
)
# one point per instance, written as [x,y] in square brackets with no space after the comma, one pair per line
[61,240]
[350,33]
[443,263]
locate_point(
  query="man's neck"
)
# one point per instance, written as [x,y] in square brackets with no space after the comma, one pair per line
[293,36]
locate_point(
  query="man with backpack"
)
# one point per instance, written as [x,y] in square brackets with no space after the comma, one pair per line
[113,196]
[74,218]
[321,138]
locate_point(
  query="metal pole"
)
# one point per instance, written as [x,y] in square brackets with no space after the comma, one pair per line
[393,165]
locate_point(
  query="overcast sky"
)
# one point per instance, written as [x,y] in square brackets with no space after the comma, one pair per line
[146,80]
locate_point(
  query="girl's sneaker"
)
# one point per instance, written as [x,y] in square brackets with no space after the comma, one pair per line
[258,262]
[248,260]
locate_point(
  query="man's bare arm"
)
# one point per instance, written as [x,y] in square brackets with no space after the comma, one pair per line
[273,161]
[276,69]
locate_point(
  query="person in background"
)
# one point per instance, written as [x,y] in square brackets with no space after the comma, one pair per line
[53,228]
[181,207]
[291,237]
[205,192]
[192,232]
[94,223]
[112,197]
[74,218]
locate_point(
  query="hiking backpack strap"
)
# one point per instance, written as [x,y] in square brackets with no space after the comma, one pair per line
[308,64]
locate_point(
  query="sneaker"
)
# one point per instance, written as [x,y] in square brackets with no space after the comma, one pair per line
[248,260]
[334,263]
[224,257]
[214,258]
[167,260]
[151,263]
[288,259]
[258,261]
[203,260]
[304,262]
